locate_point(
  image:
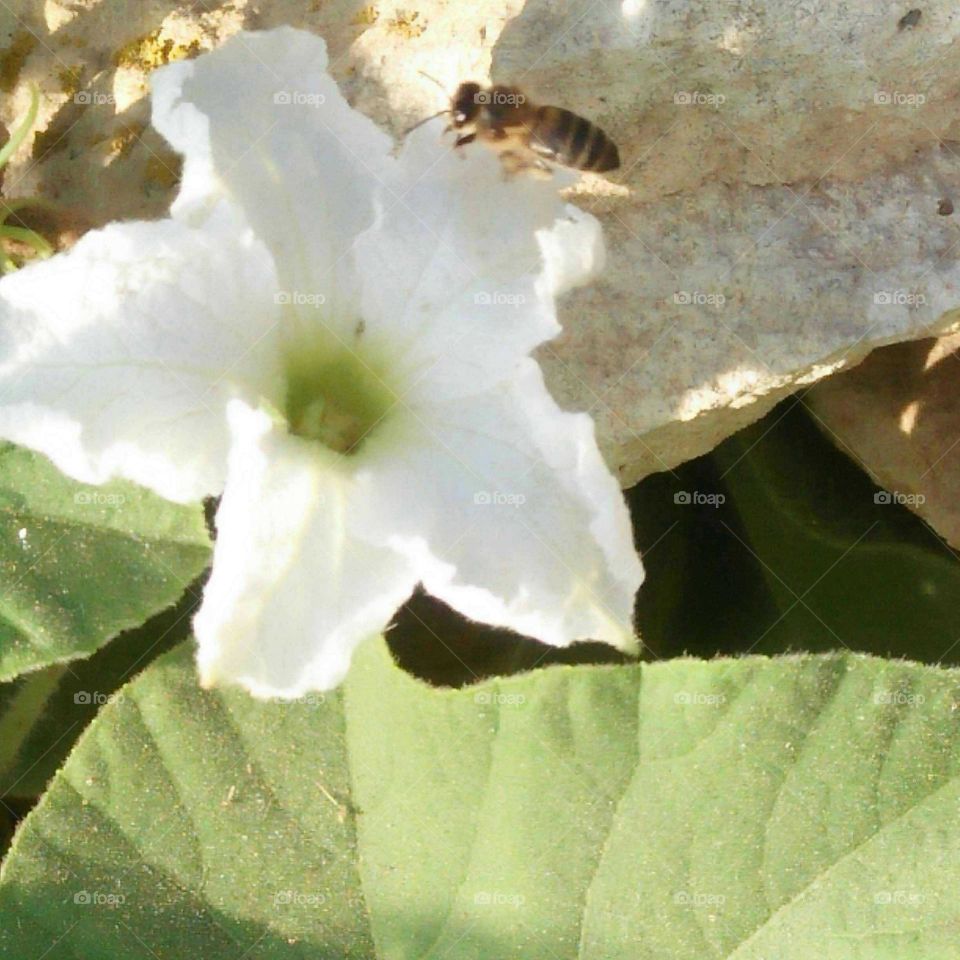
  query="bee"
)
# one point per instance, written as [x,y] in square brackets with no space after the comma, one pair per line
[526,135]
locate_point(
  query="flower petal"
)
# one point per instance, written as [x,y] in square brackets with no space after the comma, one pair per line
[509,511]
[292,593]
[118,357]
[573,251]
[261,120]
[467,263]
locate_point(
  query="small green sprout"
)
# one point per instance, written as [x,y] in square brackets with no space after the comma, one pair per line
[7,207]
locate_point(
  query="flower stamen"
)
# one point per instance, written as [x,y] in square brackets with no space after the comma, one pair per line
[336,398]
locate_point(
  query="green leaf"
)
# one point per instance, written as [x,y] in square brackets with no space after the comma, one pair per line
[741,809]
[42,713]
[29,237]
[82,563]
[22,131]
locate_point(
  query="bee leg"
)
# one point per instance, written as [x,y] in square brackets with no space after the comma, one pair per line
[511,164]
[462,141]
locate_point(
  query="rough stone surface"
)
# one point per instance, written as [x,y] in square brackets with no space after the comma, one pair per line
[898,414]
[781,209]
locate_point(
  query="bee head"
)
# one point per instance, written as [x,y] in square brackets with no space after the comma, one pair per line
[466,104]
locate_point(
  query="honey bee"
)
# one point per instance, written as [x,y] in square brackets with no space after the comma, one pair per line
[526,135]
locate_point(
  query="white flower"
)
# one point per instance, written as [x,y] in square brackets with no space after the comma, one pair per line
[337,341]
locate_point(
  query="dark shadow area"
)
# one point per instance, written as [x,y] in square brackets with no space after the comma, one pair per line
[846,567]
[434,642]
[703,592]
[12,811]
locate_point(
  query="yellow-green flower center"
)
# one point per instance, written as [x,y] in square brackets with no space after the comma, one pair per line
[336,397]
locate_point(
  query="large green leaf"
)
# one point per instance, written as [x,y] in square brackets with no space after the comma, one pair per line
[80,563]
[789,809]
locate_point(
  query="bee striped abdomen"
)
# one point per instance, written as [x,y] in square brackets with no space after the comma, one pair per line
[566,138]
